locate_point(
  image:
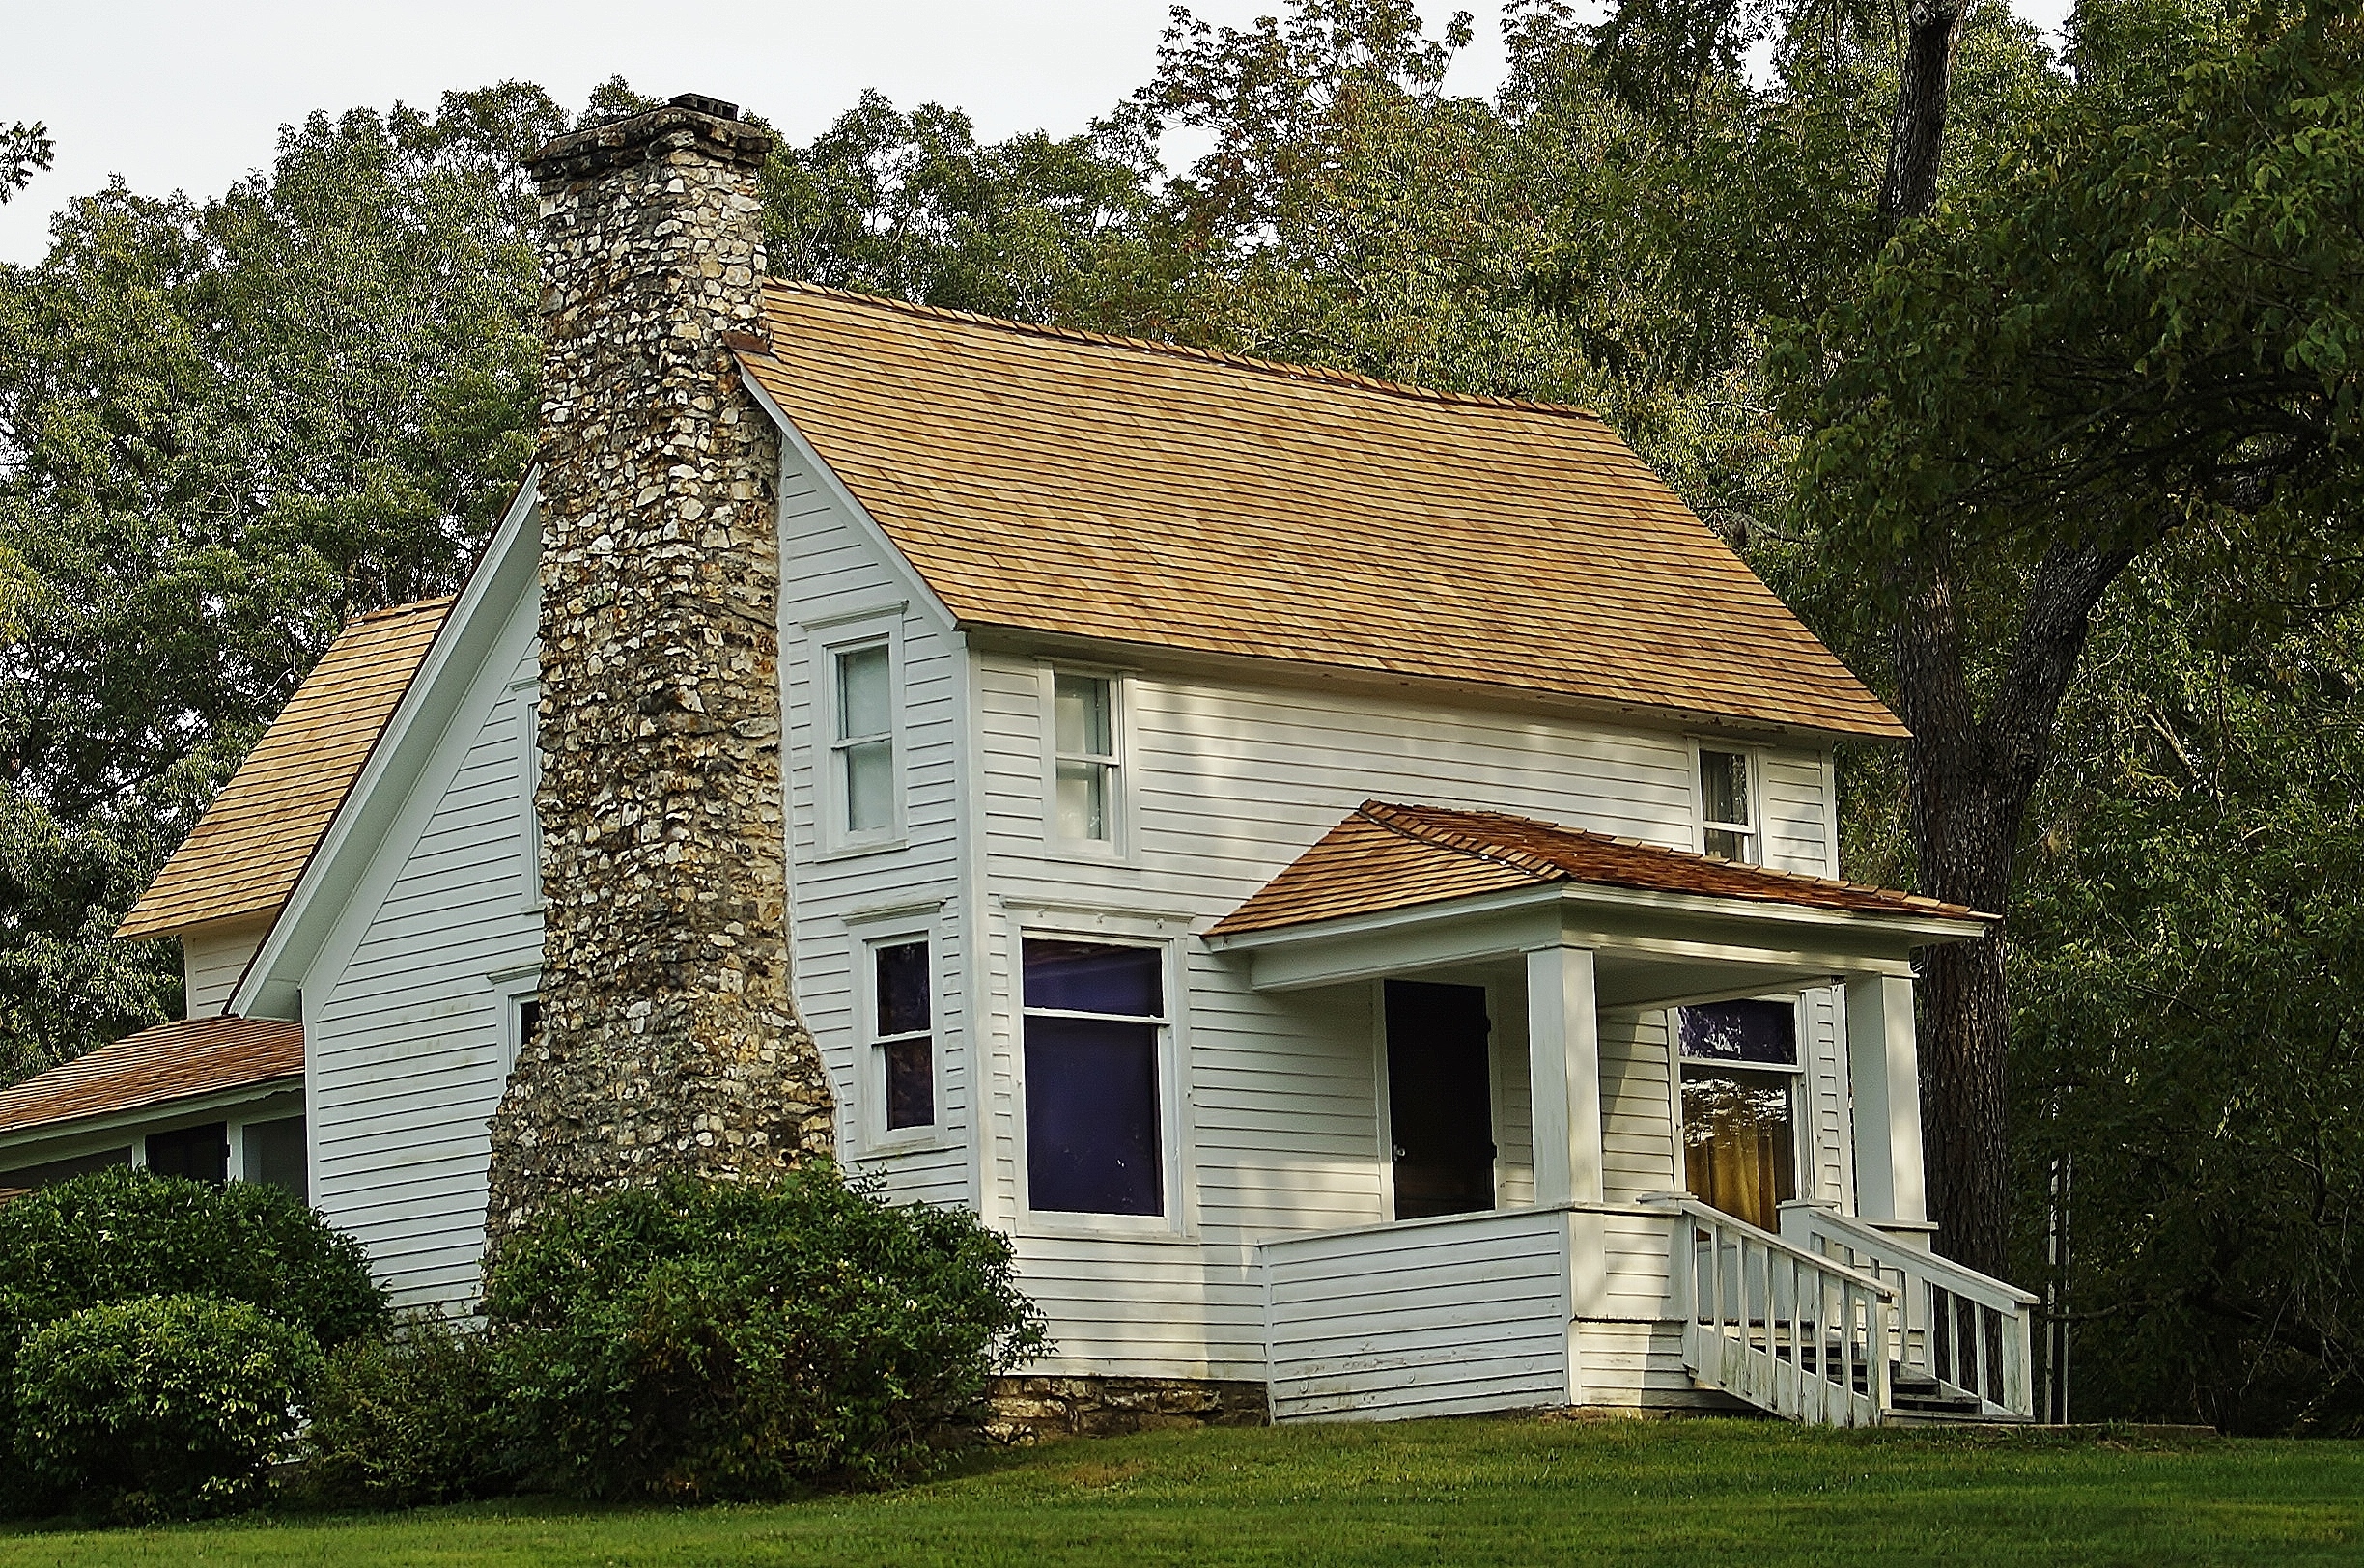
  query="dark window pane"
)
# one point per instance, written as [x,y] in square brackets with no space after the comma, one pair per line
[1087,977]
[201,1153]
[1092,1100]
[28,1177]
[1738,1150]
[1742,1032]
[276,1153]
[911,1083]
[529,1027]
[903,989]
[1723,793]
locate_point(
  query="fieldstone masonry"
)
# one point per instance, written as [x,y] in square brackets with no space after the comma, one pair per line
[669,1040]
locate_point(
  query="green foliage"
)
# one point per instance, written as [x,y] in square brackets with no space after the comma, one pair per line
[121,1234]
[172,1405]
[410,1417]
[713,1341]
[2187,955]
[24,151]
[224,428]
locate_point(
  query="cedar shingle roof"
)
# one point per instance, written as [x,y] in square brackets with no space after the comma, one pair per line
[170,1061]
[244,856]
[1154,494]
[1396,856]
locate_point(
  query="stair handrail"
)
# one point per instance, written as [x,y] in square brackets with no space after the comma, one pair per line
[1864,1302]
[1926,1285]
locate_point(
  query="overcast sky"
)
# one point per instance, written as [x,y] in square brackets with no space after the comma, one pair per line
[190,95]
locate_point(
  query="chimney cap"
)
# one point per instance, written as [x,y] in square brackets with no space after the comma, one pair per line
[700,104]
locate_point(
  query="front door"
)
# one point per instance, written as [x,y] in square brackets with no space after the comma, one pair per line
[1440,1097]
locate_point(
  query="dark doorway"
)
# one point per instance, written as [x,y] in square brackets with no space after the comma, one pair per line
[1440,1097]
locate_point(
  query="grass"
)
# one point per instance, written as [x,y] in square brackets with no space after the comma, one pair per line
[1477,1491]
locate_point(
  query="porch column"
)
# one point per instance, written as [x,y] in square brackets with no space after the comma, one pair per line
[1563,1066]
[1884,1072]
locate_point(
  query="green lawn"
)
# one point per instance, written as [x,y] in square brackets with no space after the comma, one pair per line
[1746,1494]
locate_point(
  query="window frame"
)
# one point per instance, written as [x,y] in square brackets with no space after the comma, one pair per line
[874,1136]
[1752,760]
[1798,1079]
[1178,1219]
[836,834]
[1119,847]
[511,989]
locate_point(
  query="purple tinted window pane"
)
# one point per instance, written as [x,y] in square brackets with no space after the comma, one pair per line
[903,989]
[1741,1032]
[1087,977]
[911,1083]
[1091,1100]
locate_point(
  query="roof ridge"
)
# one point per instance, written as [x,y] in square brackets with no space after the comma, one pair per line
[1185,351]
[389,612]
[1435,833]
[1398,818]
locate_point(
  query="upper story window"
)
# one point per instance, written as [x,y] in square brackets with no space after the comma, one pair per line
[1095,1017]
[1086,787]
[1728,805]
[863,743]
[902,1034]
[1740,1073]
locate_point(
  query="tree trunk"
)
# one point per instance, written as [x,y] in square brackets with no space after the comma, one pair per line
[1916,136]
[1969,776]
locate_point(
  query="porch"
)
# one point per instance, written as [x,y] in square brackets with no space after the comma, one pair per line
[1749,1224]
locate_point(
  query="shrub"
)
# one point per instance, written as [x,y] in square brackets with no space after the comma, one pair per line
[168,1405]
[728,1340]
[407,1419]
[119,1234]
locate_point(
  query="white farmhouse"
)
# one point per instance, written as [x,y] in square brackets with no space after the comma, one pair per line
[1346,875]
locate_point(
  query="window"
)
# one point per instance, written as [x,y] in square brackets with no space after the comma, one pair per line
[861,750]
[1083,716]
[199,1152]
[906,1047]
[1739,1089]
[1094,1017]
[1727,810]
[275,1154]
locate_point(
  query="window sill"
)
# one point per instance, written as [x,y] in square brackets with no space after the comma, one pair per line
[857,848]
[1067,1225]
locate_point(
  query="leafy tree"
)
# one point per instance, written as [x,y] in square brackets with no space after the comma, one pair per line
[25,149]
[225,426]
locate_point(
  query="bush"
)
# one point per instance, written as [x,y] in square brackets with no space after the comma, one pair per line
[407,1420]
[119,1234]
[725,1340]
[171,1404]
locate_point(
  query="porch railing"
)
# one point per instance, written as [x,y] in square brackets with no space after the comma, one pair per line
[1969,1333]
[1789,1329]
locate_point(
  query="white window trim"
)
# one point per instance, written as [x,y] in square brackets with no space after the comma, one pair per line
[1801,1091]
[1118,847]
[873,1135]
[512,988]
[1175,1125]
[526,693]
[1754,759]
[844,636]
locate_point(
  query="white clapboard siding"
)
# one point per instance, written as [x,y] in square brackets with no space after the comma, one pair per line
[1830,1173]
[405,1044]
[1625,1366]
[213,959]
[1436,1317]
[1225,784]
[1638,1156]
[1796,813]
[832,566]
[1513,1094]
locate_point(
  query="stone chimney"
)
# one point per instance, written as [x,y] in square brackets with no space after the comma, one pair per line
[669,1041]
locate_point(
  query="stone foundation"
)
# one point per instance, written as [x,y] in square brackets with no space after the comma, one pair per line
[1038,1410]
[669,1040]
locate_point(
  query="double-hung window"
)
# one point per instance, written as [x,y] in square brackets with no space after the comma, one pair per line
[863,743]
[1086,793]
[1740,1077]
[1728,805]
[902,1033]
[1095,1019]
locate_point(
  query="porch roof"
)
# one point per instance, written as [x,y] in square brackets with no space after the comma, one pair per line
[168,1062]
[1385,858]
